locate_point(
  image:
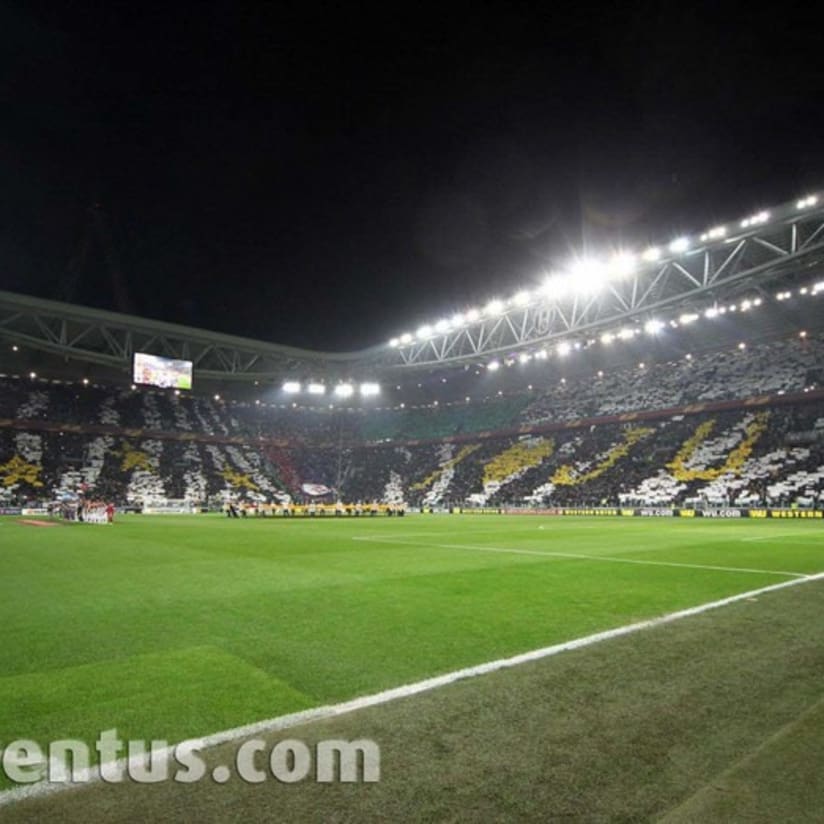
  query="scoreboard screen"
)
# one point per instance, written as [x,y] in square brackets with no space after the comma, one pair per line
[166,373]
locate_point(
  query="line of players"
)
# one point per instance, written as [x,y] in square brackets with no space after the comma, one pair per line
[312,510]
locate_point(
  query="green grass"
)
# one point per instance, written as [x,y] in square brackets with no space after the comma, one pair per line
[174,627]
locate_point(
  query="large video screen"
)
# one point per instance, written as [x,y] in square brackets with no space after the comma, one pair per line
[163,372]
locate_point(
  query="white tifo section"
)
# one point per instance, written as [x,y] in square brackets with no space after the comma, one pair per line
[284,722]
[434,496]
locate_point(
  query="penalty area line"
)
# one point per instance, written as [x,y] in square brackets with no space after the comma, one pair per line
[284,722]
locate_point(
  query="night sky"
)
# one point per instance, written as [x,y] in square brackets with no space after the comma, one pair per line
[333,179]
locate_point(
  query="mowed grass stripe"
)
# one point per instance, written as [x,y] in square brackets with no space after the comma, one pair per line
[627,730]
[319,615]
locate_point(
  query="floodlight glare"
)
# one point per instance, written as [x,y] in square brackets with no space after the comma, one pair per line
[564,348]
[316,389]
[712,312]
[344,390]
[587,275]
[688,318]
[652,327]
[394,342]
[370,389]
[525,357]
[626,333]
[494,308]
[493,366]
[652,254]
[607,338]
[622,264]
[291,387]
[521,299]
[442,326]
[680,244]
[424,332]
[555,286]
[472,315]
[457,320]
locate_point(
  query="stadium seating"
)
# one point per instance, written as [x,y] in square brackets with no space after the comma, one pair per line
[140,447]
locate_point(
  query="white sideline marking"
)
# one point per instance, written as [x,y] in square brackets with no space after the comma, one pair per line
[579,556]
[283,722]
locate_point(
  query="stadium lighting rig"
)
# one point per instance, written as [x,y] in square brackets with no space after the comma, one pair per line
[630,279]
[656,326]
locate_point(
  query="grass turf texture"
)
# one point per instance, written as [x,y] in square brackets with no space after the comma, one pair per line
[175,627]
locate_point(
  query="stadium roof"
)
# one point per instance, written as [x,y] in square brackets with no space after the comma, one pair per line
[754,258]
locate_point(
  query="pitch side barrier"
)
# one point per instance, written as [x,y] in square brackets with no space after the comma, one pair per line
[654,512]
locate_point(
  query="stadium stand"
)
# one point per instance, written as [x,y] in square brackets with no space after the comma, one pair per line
[718,428]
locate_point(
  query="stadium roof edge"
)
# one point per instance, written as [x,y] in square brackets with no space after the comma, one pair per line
[13,305]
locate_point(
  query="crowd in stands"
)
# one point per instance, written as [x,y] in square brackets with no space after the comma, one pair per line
[138,447]
[772,368]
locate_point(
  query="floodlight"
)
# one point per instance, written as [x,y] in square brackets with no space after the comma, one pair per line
[680,244]
[652,327]
[493,366]
[521,299]
[494,308]
[394,342]
[607,338]
[457,320]
[626,333]
[712,312]
[555,286]
[652,254]
[564,348]
[344,390]
[370,389]
[316,389]
[525,357]
[689,317]
[472,315]
[424,332]
[442,326]
[622,264]
[587,275]
[406,338]
[291,387]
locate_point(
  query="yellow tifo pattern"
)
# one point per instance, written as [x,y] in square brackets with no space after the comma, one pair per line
[735,460]
[464,452]
[566,475]
[17,470]
[519,456]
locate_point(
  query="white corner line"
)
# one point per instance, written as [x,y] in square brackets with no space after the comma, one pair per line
[282,722]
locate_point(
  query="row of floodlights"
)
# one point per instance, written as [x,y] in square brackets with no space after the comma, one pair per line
[584,276]
[341,390]
[651,327]
[815,289]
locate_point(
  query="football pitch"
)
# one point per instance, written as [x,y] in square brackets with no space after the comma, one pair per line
[176,627]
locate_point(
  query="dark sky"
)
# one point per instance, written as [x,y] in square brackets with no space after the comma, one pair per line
[333,178]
